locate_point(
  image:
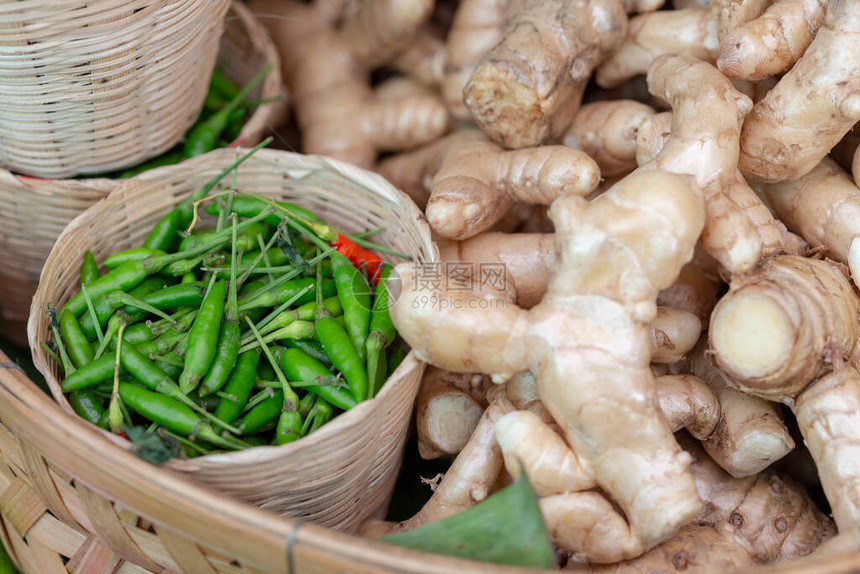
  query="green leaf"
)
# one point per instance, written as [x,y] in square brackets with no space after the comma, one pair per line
[148,445]
[506,528]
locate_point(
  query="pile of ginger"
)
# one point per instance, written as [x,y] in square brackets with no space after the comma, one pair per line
[671,356]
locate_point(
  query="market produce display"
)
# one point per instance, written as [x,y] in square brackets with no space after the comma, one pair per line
[263,327]
[640,326]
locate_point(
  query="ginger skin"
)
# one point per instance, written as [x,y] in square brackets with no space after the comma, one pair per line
[328,73]
[773,42]
[746,522]
[801,119]
[823,206]
[519,104]
[829,411]
[739,230]
[673,333]
[527,258]
[607,132]
[473,182]
[729,14]
[693,33]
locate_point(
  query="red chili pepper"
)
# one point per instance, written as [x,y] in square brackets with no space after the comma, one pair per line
[359,257]
[236,143]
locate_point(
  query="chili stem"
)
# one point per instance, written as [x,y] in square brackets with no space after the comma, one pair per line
[99,333]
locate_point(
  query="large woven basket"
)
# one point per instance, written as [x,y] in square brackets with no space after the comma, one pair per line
[92,87]
[73,501]
[35,211]
[340,474]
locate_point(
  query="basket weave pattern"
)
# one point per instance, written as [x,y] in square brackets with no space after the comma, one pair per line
[342,473]
[35,211]
[90,87]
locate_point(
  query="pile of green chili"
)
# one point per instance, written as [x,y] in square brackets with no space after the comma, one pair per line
[256,331]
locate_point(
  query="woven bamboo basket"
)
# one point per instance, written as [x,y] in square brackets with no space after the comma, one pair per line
[73,501]
[340,474]
[35,211]
[92,87]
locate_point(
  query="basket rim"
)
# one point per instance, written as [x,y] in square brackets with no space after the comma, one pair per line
[136,187]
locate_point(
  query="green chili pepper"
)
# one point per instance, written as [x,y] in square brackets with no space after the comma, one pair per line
[99,370]
[156,379]
[173,415]
[104,310]
[301,367]
[163,235]
[285,292]
[289,427]
[89,269]
[222,86]
[137,333]
[228,338]
[138,254]
[247,240]
[245,206]
[340,350]
[204,137]
[88,406]
[168,298]
[203,338]
[306,403]
[382,334]
[267,410]
[238,387]
[320,414]
[311,348]
[353,292]
[131,274]
[76,342]
[214,101]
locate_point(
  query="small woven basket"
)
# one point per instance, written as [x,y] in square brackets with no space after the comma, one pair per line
[92,87]
[340,474]
[35,211]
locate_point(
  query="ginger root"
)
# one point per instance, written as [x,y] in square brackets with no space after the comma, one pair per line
[687,402]
[673,333]
[327,70]
[751,521]
[446,412]
[527,259]
[828,413]
[520,104]
[473,182]
[693,33]
[469,480]
[791,130]
[782,325]
[750,434]
[771,43]
[739,229]
[823,206]
[606,131]
[799,320]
